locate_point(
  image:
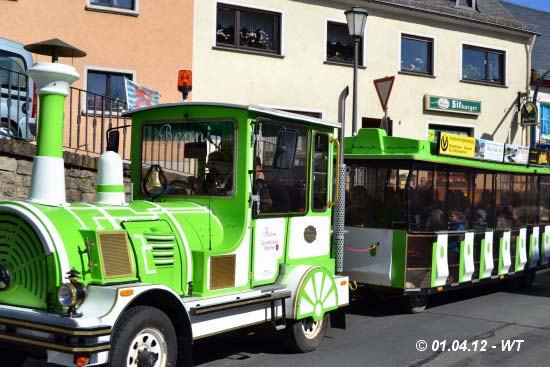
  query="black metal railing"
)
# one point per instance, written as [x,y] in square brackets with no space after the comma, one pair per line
[16,105]
[91,115]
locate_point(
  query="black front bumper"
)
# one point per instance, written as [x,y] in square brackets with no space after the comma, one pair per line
[46,331]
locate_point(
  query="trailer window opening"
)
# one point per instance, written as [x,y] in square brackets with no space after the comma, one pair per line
[196,157]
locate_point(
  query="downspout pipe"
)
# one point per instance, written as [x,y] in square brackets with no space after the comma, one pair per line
[340,209]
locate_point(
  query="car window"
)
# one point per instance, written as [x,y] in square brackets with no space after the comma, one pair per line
[15,63]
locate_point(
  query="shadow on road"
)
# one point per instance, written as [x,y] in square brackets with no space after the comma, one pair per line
[238,345]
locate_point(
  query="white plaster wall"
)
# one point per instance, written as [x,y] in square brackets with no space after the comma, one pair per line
[300,79]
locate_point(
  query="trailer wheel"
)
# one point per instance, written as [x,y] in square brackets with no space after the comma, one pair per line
[415,303]
[527,279]
[305,335]
[144,336]
[12,358]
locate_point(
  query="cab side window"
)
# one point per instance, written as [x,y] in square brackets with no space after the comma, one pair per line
[280,168]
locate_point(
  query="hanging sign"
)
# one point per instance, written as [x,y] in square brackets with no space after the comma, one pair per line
[457,145]
[529,114]
[455,105]
[383,89]
[489,150]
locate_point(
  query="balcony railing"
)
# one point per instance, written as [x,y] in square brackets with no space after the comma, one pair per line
[90,116]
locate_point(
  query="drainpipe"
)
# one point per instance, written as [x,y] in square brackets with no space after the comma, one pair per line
[48,170]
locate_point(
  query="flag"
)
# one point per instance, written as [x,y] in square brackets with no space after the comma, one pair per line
[138,96]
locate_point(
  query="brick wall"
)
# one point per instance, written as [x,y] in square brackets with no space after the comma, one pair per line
[80,172]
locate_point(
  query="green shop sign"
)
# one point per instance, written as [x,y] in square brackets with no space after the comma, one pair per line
[447,104]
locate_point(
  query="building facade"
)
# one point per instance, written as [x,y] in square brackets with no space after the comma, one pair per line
[295,55]
[146,41]
[540,68]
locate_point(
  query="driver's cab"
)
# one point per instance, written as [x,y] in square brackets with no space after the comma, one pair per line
[264,175]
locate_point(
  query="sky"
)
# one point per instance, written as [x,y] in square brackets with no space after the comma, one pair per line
[543,5]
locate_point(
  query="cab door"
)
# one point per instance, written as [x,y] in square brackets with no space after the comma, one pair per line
[279,192]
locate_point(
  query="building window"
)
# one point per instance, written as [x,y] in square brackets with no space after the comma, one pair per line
[130,7]
[416,54]
[484,65]
[545,124]
[101,84]
[248,29]
[340,44]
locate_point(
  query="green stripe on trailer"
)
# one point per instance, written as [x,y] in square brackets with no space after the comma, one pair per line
[398,259]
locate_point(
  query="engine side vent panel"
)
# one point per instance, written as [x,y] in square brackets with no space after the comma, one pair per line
[115,254]
[163,249]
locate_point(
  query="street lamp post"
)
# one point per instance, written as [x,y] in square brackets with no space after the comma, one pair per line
[356,18]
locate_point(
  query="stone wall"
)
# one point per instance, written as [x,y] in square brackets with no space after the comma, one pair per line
[80,172]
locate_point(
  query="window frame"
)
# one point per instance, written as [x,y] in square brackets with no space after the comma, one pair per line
[431,52]
[278,31]
[487,51]
[90,5]
[314,172]
[361,62]
[99,69]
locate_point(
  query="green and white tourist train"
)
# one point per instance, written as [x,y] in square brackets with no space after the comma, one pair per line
[229,225]
[444,219]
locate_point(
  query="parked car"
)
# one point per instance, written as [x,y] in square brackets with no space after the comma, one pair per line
[18,100]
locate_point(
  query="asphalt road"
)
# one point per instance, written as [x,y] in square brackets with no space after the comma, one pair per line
[378,335]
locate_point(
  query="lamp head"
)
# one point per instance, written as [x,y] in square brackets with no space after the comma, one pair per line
[356,17]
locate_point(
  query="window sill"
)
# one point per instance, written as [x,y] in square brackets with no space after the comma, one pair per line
[412,73]
[487,84]
[248,51]
[346,64]
[112,10]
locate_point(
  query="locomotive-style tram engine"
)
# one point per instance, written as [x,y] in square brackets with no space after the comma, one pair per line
[228,226]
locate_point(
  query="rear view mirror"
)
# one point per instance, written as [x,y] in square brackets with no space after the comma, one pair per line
[195,150]
[286,149]
[113,138]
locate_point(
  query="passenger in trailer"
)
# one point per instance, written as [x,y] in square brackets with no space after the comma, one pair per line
[357,211]
[480,217]
[456,223]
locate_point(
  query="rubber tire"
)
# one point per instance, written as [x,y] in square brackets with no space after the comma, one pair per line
[132,322]
[414,303]
[296,340]
[12,358]
[527,279]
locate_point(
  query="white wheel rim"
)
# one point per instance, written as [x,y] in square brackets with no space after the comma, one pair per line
[311,328]
[150,340]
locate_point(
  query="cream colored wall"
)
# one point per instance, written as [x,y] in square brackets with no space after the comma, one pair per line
[301,80]
[156,43]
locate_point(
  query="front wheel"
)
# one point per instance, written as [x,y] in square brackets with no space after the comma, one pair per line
[144,336]
[305,335]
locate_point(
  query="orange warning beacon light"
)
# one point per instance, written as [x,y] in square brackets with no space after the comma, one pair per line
[185,82]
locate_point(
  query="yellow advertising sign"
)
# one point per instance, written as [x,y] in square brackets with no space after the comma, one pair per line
[457,145]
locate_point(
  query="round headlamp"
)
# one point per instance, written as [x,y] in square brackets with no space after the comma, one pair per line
[70,295]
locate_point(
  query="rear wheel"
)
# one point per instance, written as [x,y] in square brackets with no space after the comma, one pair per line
[144,336]
[305,335]
[415,303]
[527,279]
